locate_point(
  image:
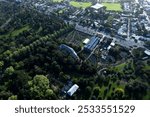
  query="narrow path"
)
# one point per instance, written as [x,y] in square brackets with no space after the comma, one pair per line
[5,24]
[128,33]
[91,53]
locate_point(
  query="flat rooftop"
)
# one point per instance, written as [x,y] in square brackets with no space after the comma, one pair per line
[97,6]
[147,52]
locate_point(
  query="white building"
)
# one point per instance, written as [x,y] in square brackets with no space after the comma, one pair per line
[112,44]
[86,41]
[97,6]
[147,52]
[72,90]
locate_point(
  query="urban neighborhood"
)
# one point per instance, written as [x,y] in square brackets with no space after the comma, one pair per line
[75,49]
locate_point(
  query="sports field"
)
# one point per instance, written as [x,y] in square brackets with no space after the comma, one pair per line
[113,6]
[80,4]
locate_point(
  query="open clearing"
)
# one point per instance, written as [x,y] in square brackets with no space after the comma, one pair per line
[113,6]
[15,32]
[80,4]
[18,31]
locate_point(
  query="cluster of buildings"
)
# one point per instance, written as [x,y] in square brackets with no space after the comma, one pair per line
[125,26]
[92,20]
[94,41]
[87,30]
[145,5]
[123,30]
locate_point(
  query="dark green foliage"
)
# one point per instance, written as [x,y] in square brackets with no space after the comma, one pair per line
[32,66]
[135,90]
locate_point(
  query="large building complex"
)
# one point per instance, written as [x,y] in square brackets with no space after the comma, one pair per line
[69,50]
[92,44]
[97,7]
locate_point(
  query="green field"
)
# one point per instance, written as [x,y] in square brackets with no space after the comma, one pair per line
[80,4]
[113,6]
[120,67]
[18,31]
[146,67]
[15,32]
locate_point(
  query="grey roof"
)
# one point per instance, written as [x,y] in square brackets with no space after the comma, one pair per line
[69,50]
[92,44]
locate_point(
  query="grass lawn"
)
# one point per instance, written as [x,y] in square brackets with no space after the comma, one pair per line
[115,86]
[113,6]
[61,11]
[39,30]
[147,97]
[110,91]
[80,4]
[120,67]
[15,32]
[18,31]
[147,67]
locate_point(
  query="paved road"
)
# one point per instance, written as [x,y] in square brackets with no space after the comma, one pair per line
[128,33]
[5,24]
[99,72]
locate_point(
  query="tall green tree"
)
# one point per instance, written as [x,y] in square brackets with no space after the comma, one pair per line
[9,71]
[39,87]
